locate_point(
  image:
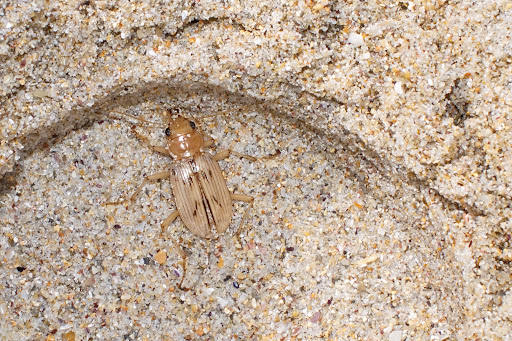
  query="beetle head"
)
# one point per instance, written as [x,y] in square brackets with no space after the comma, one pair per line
[179,126]
[183,139]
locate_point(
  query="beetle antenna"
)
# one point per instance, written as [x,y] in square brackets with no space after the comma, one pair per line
[154,124]
[176,111]
[222,112]
[171,112]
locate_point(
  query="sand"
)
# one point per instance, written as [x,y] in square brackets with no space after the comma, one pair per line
[384,214]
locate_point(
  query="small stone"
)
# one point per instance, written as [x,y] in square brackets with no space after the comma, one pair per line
[39,93]
[395,336]
[69,336]
[316,317]
[318,6]
[161,257]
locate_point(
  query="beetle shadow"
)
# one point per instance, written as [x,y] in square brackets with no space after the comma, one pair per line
[44,138]
[186,95]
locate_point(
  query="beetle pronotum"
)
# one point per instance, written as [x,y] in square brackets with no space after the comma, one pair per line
[203,201]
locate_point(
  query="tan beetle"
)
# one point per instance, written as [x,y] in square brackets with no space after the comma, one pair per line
[203,201]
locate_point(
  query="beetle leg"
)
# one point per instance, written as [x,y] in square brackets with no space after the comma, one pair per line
[208,140]
[172,217]
[157,176]
[145,140]
[168,221]
[184,261]
[244,198]
[225,153]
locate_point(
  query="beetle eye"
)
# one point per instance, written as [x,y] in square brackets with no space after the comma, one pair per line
[167,132]
[192,125]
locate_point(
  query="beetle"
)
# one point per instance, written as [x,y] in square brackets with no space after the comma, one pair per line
[203,200]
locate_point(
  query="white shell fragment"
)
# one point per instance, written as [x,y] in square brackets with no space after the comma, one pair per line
[355,39]
[398,88]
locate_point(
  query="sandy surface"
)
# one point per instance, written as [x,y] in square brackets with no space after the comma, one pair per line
[386,215]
